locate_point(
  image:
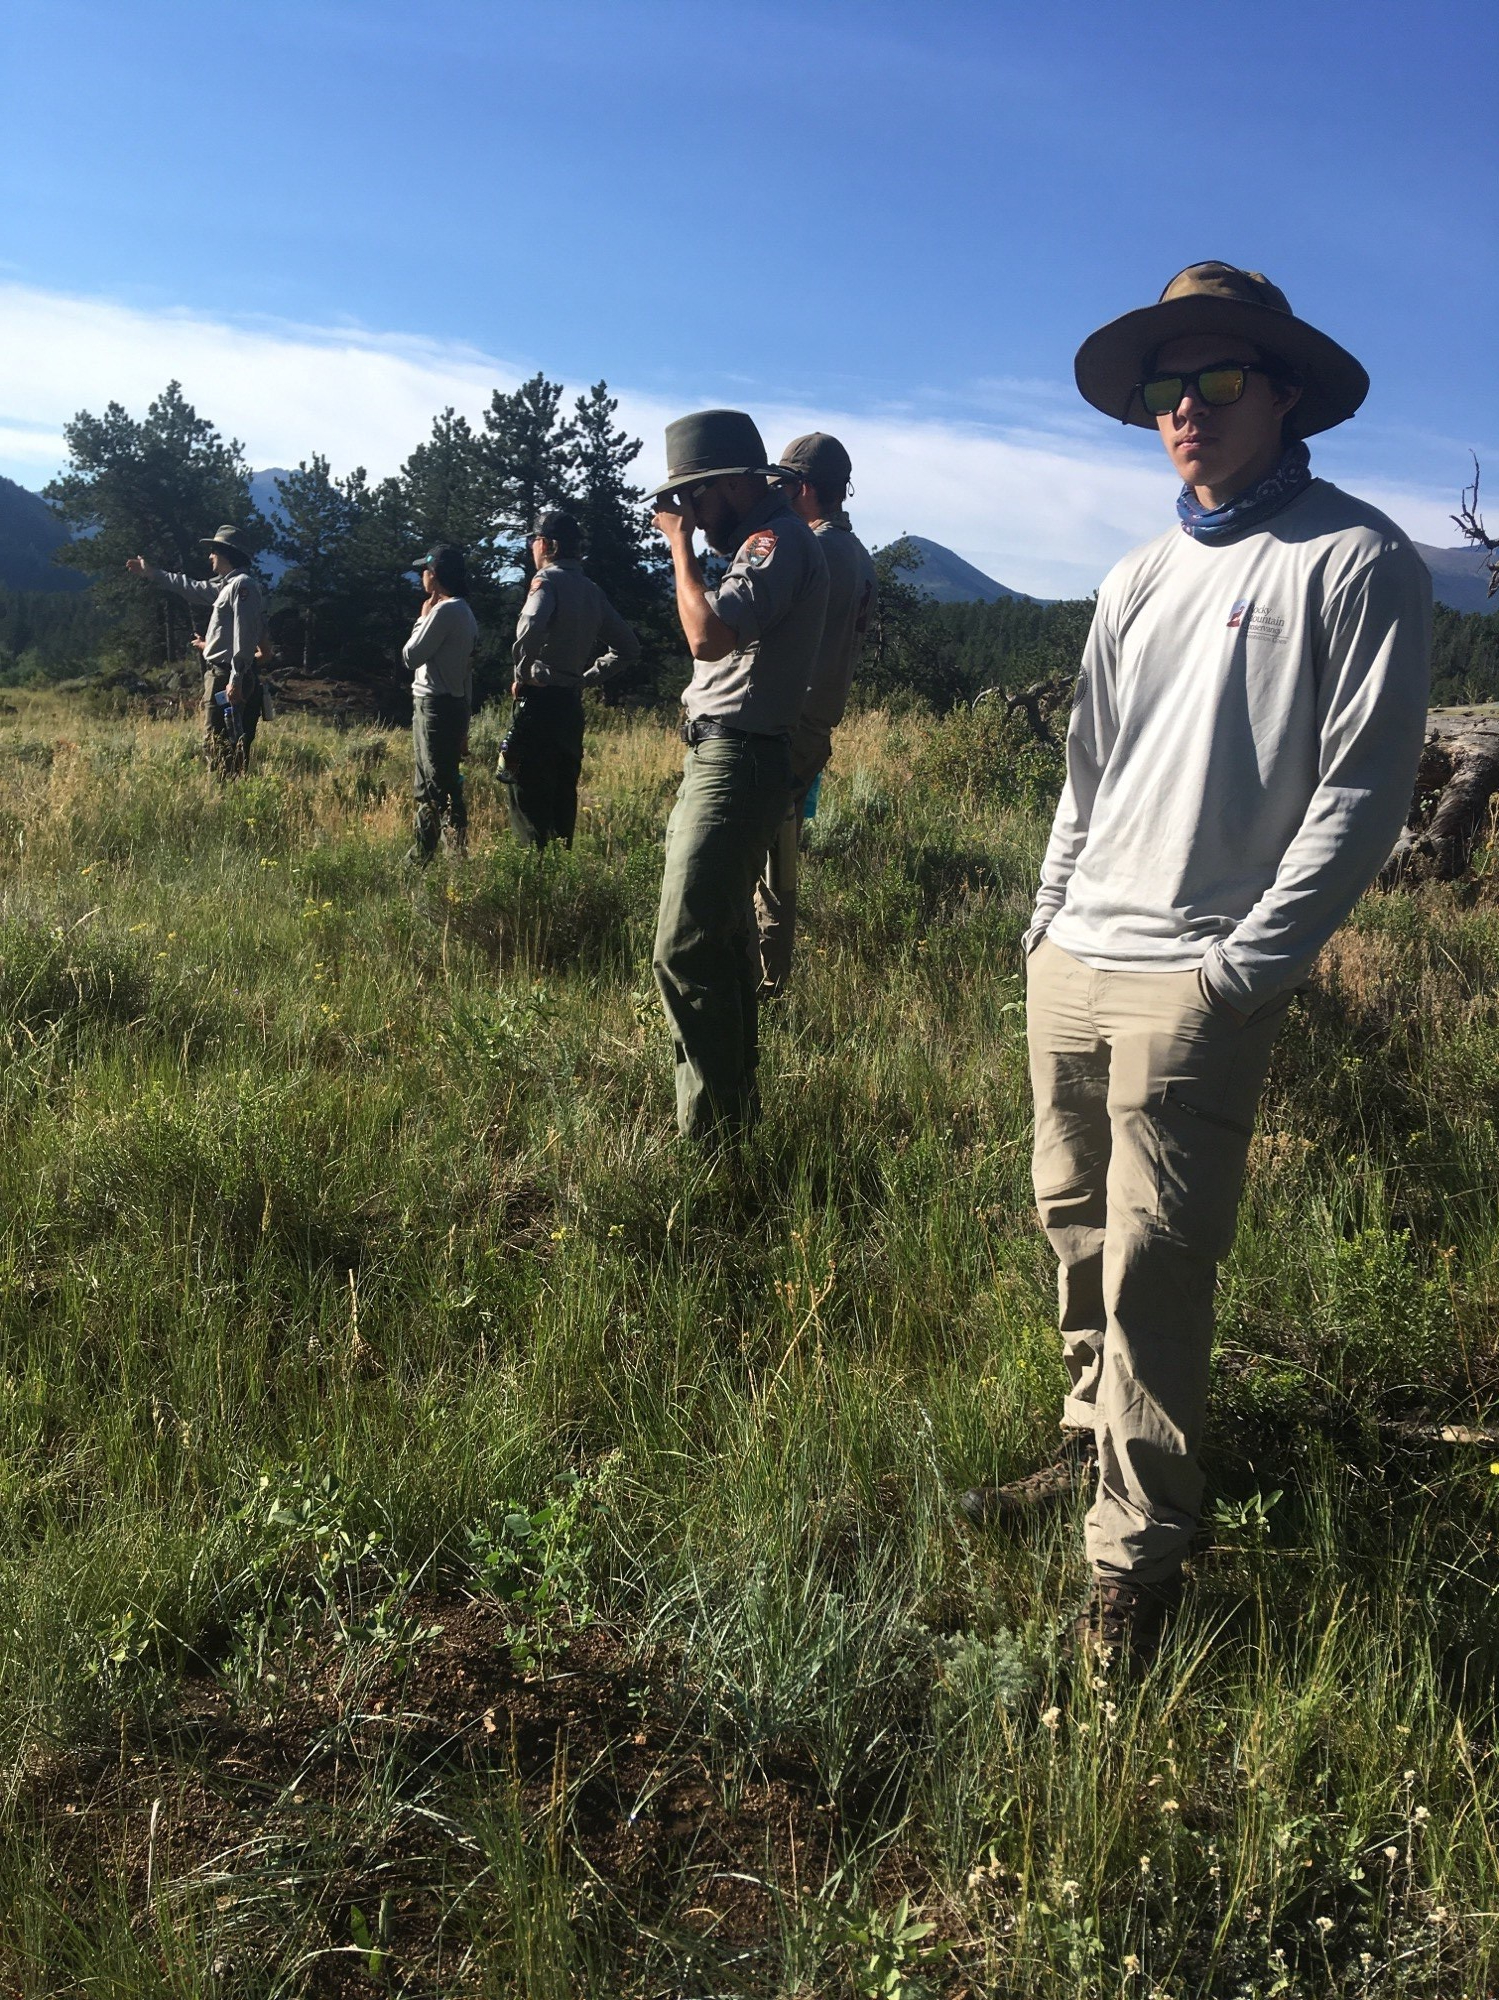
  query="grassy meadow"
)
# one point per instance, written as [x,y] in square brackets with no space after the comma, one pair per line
[455,1542]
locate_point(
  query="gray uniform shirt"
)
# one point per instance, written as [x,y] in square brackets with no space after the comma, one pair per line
[568,633]
[852,587]
[775,597]
[441,649]
[236,625]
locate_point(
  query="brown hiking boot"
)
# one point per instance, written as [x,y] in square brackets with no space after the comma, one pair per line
[1125,1621]
[1039,1492]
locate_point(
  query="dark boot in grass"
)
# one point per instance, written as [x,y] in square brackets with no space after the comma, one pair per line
[1125,1621]
[1022,1500]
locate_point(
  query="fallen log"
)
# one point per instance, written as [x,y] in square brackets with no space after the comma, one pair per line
[1456,781]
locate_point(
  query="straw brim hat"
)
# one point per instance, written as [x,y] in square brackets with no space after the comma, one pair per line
[1240,305]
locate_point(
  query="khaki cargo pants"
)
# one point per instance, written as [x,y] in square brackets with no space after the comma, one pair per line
[439,738]
[735,791]
[1145,1104]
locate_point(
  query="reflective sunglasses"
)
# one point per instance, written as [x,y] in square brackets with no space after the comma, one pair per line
[1217,386]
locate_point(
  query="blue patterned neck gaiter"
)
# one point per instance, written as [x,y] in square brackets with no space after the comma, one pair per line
[1255,504]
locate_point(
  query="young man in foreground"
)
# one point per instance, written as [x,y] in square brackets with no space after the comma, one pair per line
[440,653]
[1240,758]
[754,641]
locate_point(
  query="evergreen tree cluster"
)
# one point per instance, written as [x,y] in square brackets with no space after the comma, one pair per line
[346,596]
[345,599]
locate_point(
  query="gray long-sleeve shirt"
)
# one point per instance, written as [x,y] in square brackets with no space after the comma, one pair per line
[774,597]
[568,633]
[1242,748]
[237,622]
[441,650]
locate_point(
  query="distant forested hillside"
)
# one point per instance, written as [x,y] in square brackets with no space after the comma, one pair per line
[29,532]
[1464,658]
[49,635]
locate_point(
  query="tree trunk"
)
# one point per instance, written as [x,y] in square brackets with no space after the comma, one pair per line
[1457,779]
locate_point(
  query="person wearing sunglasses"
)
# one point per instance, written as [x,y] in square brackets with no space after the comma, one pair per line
[754,639]
[1242,748]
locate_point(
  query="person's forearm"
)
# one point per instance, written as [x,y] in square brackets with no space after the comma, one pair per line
[707,636]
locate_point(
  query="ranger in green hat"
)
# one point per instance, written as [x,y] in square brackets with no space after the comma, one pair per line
[754,641]
[237,633]
[820,472]
[568,637]
[1240,758]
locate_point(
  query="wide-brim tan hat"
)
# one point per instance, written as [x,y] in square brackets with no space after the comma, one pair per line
[712,444]
[226,538]
[1241,305]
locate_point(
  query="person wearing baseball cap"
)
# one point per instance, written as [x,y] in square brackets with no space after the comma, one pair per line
[237,632]
[568,637]
[1240,758]
[818,472]
[753,640]
[440,654]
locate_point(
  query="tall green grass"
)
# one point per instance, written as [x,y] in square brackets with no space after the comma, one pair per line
[350,1268]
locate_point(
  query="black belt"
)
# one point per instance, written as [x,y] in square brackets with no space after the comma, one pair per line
[699,731]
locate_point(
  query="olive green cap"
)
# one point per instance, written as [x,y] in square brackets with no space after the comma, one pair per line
[819,459]
[1215,298]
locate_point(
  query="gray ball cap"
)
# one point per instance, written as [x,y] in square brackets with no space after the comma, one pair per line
[711,444]
[227,538]
[819,458]
[1215,298]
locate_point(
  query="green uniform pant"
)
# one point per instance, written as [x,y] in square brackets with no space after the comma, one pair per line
[1145,1102]
[775,897]
[543,760]
[229,738]
[734,795]
[439,737]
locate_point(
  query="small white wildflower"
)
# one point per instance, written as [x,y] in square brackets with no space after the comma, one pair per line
[1170,1805]
[1421,1814]
[1130,1962]
[1437,1917]
[1324,1924]
[1051,1719]
[1392,1854]
[1144,1864]
[1070,1889]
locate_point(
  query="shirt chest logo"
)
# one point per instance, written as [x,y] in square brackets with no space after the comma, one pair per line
[1257,621]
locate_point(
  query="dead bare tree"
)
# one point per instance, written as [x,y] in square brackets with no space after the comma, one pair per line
[1471,522]
[1037,703]
[1455,786]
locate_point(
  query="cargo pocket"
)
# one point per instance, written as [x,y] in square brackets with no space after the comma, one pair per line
[1199,1172]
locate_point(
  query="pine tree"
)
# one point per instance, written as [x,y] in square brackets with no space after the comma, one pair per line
[528,456]
[314,537]
[154,489]
[443,489]
[621,559]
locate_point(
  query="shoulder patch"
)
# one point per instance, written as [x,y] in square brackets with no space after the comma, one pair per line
[759,549]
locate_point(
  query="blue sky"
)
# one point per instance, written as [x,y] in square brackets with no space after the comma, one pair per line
[329,219]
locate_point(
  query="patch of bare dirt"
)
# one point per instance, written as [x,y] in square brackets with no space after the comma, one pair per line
[386,1789]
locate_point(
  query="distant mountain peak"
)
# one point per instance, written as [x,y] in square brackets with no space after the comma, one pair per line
[947,579]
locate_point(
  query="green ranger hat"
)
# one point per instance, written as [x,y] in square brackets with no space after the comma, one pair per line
[227,539]
[711,444]
[819,459]
[1215,298]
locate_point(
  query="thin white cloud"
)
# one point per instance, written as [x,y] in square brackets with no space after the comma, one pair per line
[1024,490]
